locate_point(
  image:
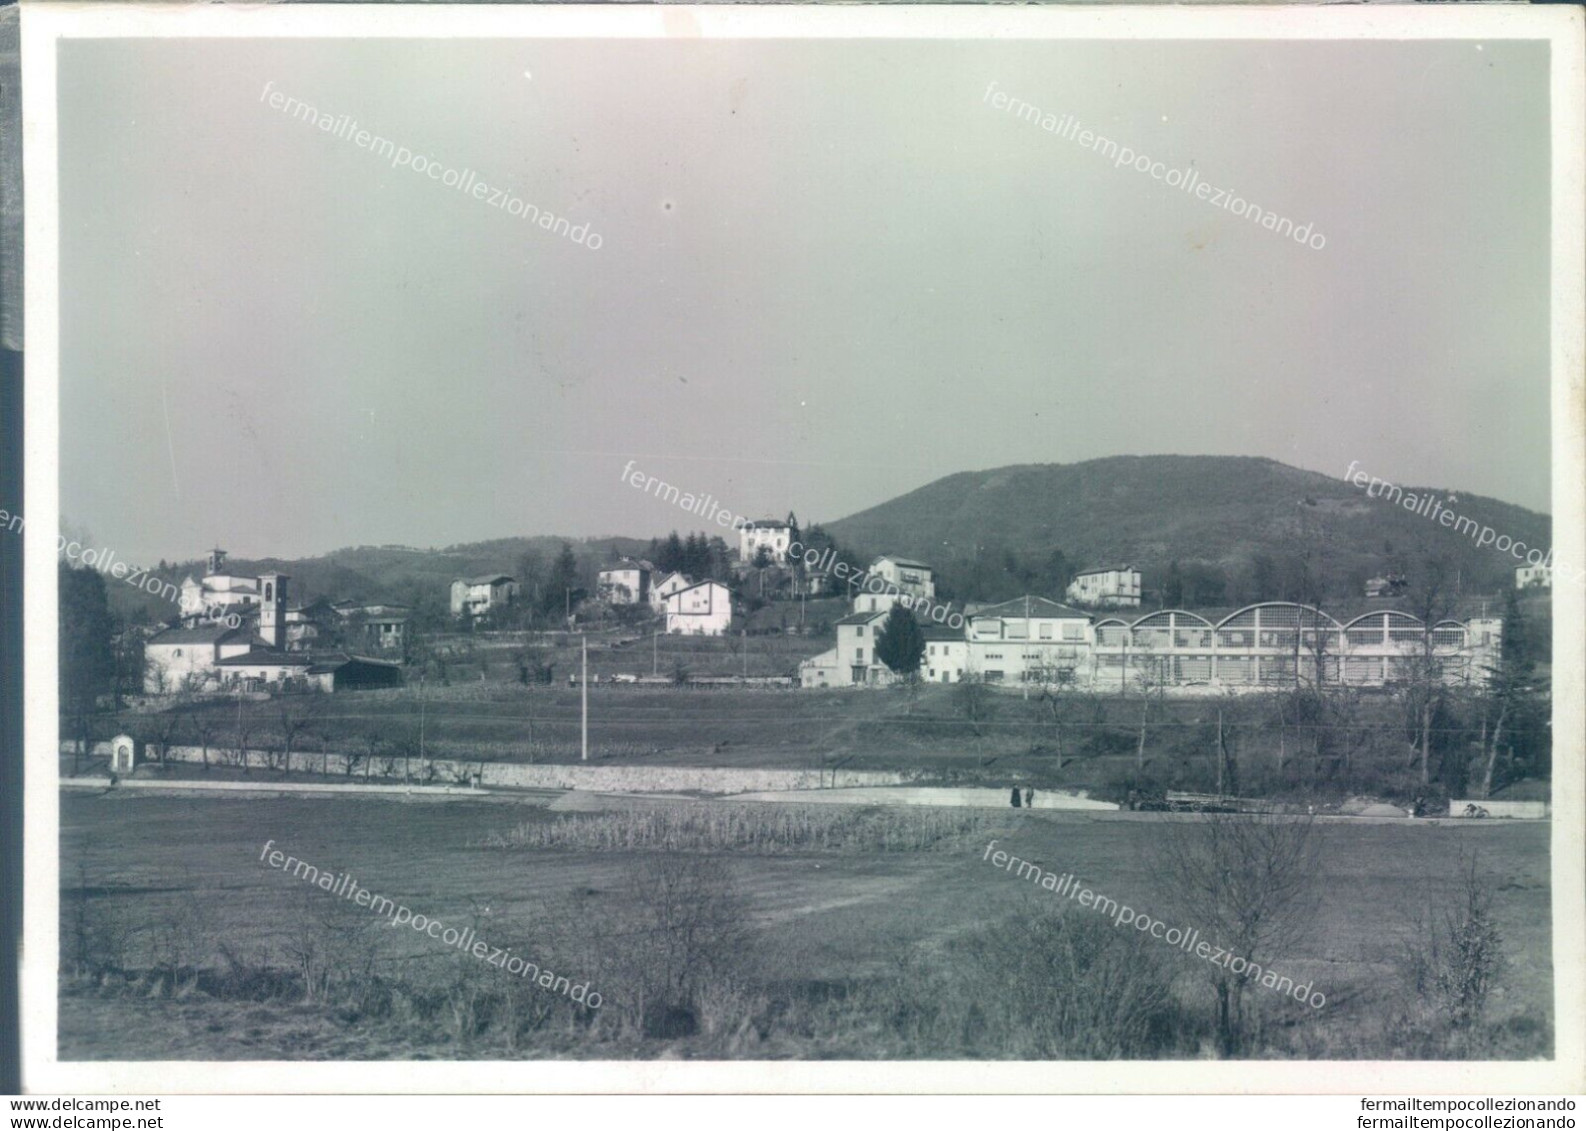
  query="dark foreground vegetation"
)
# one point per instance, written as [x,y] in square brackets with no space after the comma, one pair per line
[691,958]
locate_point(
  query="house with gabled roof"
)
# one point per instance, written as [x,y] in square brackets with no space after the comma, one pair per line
[476,596]
[627,582]
[704,609]
[664,588]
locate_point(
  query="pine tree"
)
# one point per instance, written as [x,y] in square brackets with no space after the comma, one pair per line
[1173,591]
[672,559]
[900,644]
[696,556]
[562,587]
[87,666]
[1516,645]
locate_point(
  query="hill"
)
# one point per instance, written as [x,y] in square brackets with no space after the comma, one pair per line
[1256,522]
[1241,529]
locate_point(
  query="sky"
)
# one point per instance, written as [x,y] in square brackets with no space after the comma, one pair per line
[829,273]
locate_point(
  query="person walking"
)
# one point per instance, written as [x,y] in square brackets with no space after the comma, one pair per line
[1029,799]
[1015,798]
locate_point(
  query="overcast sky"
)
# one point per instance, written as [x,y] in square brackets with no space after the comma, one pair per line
[831,273]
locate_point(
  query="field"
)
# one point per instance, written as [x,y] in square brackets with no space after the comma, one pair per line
[178,942]
[1107,744]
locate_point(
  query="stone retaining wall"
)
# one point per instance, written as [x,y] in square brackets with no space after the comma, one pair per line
[509,775]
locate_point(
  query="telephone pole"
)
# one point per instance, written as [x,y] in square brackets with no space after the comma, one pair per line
[1028,643]
[583,687]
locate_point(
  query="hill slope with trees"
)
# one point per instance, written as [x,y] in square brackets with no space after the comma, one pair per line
[1241,529]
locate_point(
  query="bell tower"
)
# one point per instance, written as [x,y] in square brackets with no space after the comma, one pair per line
[272,609]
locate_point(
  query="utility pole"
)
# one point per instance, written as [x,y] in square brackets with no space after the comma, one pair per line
[421,725]
[1029,641]
[583,687]
[655,652]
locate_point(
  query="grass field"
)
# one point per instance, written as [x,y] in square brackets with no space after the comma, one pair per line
[840,952]
[1090,742]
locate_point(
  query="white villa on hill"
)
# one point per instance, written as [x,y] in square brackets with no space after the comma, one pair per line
[766,534]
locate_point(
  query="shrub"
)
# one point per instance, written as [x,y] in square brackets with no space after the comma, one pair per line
[1452,962]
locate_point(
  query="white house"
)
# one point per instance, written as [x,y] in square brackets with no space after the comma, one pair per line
[890,580]
[767,534]
[1388,585]
[185,658]
[661,590]
[1110,585]
[903,575]
[852,663]
[1027,639]
[476,596]
[946,654]
[1533,577]
[626,583]
[700,610]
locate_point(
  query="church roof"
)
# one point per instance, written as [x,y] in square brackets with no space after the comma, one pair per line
[201,634]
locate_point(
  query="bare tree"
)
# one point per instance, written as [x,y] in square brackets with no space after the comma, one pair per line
[973,700]
[161,728]
[1151,679]
[204,729]
[1434,598]
[296,715]
[1247,883]
[247,726]
[1057,703]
